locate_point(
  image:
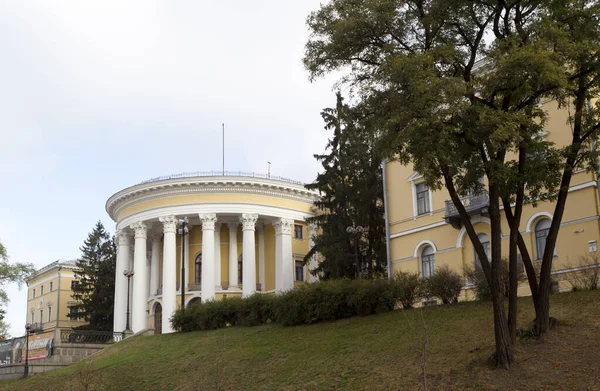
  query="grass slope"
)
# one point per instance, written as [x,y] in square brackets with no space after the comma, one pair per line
[377,353]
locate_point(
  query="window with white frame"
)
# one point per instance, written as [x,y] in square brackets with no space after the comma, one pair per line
[427,261]
[485,242]
[298,231]
[541,234]
[422,196]
[198,269]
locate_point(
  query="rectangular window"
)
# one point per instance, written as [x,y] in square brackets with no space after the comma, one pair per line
[41,316]
[422,191]
[42,290]
[428,265]
[34,293]
[32,319]
[299,271]
[49,313]
[74,284]
[50,286]
[298,231]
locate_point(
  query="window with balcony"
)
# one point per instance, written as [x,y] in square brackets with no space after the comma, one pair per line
[422,194]
[427,261]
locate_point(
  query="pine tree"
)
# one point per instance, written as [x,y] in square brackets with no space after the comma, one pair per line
[95,274]
[351,195]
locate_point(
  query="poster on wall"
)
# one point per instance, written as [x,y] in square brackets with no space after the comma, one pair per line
[6,352]
[40,346]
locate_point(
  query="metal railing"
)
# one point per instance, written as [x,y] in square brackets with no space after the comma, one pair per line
[471,203]
[90,336]
[221,173]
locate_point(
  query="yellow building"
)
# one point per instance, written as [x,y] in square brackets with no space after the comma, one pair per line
[424,230]
[247,234]
[49,296]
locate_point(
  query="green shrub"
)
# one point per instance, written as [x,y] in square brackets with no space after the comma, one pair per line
[307,304]
[407,287]
[445,284]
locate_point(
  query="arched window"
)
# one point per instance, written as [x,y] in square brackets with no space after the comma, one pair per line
[240,268]
[427,261]
[541,233]
[485,242]
[198,269]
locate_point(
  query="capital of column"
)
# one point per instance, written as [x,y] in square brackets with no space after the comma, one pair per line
[233,226]
[283,226]
[123,238]
[312,229]
[208,221]
[169,223]
[140,229]
[248,221]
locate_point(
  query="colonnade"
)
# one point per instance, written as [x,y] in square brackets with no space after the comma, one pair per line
[145,281]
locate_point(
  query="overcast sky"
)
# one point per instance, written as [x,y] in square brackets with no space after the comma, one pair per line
[98,96]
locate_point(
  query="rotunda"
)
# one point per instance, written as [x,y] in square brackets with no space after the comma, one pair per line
[242,233]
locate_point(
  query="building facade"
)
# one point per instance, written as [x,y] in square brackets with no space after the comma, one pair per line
[49,296]
[247,234]
[425,231]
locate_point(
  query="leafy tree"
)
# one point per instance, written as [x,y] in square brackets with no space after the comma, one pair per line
[352,193]
[96,275]
[418,66]
[10,272]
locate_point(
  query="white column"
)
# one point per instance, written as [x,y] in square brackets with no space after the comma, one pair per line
[218,255]
[284,269]
[169,299]
[261,255]
[120,309]
[314,260]
[154,263]
[233,255]
[208,255]
[139,320]
[248,221]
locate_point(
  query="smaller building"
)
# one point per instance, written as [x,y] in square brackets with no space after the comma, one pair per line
[49,296]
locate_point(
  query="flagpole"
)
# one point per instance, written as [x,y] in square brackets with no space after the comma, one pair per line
[223,125]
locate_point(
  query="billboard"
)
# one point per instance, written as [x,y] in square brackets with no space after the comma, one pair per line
[10,351]
[40,346]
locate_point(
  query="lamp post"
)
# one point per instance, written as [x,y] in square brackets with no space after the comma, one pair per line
[28,328]
[356,231]
[183,230]
[128,274]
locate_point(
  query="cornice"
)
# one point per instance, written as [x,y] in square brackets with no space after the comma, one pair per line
[206,185]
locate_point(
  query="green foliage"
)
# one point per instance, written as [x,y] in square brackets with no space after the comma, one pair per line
[352,195]
[445,284]
[587,275]
[96,275]
[10,272]
[407,287]
[310,303]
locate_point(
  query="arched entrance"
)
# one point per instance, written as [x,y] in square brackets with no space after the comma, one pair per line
[157,318]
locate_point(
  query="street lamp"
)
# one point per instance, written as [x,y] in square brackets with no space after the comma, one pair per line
[356,231]
[28,328]
[183,230]
[128,274]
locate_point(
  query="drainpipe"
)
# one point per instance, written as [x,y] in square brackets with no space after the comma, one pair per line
[594,146]
[387,226]
[58,299]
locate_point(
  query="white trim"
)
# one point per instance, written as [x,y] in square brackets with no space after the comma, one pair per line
[152,305]
[474,220]
[421,244]
[415,176]
[583,185]
[194,209]
[415,207]
[535,217]
[418,229]
[195,295]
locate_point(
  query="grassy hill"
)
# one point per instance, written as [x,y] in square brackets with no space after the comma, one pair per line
[378,352]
